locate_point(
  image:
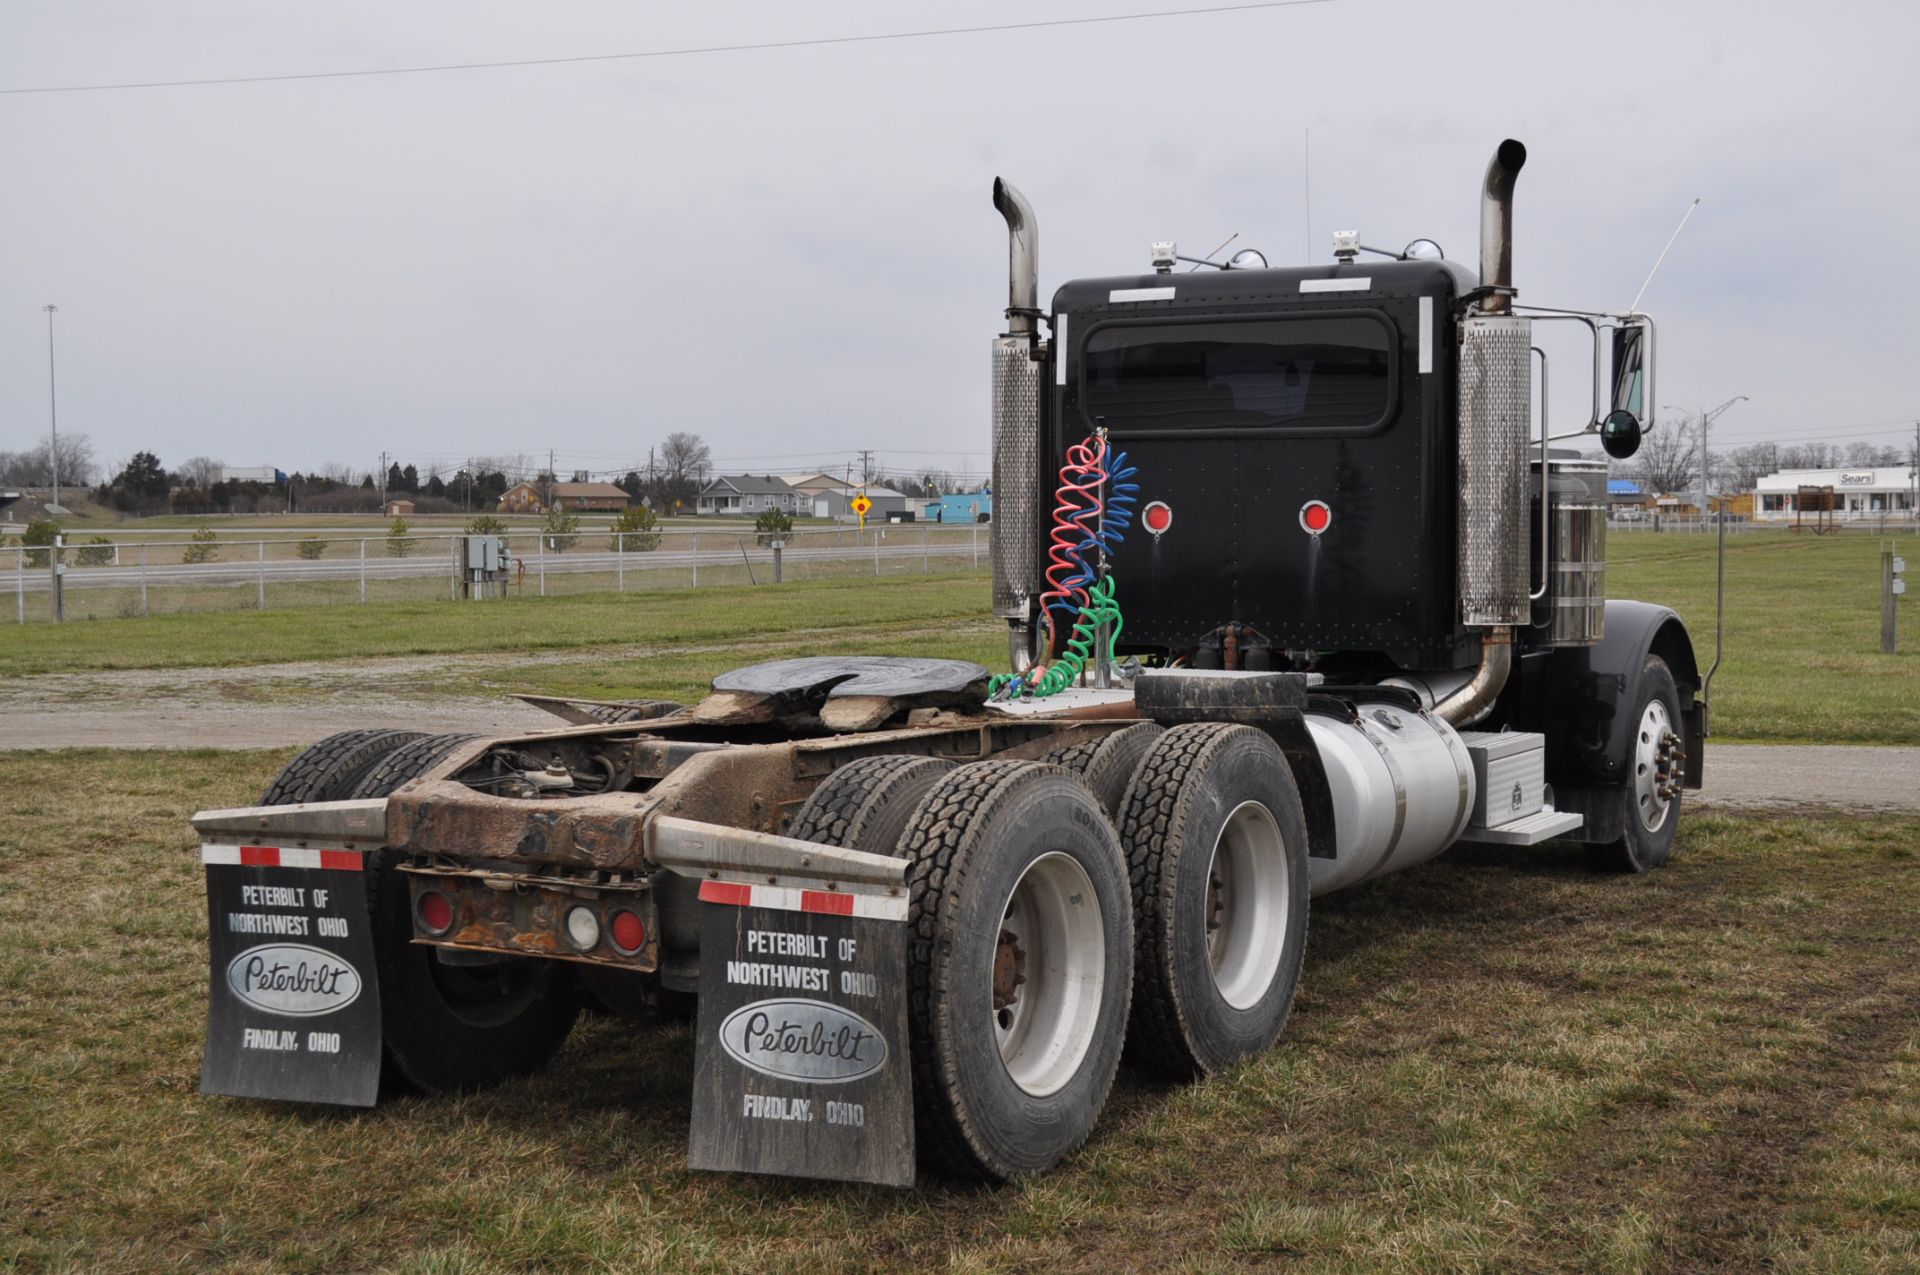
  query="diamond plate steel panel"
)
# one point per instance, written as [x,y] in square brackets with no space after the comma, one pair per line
[1496,393]
[1016,477]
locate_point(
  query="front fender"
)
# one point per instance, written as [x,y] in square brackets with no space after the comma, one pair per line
[1590,693]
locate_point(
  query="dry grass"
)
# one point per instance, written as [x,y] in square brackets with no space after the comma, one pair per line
[1498,1062]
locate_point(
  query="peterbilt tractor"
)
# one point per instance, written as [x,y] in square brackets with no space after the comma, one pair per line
[1298,591]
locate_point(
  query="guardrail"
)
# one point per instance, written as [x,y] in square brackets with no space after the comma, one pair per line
[81,580]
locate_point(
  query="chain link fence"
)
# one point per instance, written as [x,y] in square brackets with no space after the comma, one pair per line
[97,578]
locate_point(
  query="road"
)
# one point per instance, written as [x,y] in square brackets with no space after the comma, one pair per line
[280,705]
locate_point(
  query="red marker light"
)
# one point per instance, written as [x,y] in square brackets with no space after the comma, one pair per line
[629,932]
[1315,517]
[1157,517]
[436,913]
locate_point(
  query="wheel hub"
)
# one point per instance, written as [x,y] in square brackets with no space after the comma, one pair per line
[1009,971]
[1659,765]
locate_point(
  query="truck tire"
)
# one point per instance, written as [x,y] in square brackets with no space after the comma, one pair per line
[1019,963]
[407,763]
[1648,819]
[451,1027]
[1108,763]
[1217,844]
[865,804]
[328,770]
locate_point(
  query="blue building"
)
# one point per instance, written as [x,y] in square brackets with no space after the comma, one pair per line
[960,506]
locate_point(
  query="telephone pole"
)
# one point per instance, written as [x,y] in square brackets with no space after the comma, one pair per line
[53,416]
[866,466]
[383,482]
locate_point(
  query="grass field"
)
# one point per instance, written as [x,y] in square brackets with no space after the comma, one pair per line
[572,622]
[1498,1062]
[1802,631]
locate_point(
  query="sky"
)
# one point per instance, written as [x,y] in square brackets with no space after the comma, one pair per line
[793,253]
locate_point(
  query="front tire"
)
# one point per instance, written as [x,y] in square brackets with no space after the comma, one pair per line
[1649,805]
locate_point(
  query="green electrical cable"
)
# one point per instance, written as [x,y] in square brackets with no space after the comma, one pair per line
[1100,608]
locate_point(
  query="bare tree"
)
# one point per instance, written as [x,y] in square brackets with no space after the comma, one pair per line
[686,456]
[1666,459]
[198,472]
[1742,468]
[34,466]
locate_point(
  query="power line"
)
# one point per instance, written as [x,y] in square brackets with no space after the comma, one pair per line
[815,42]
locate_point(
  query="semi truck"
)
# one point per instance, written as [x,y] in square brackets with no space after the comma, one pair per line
[1300,588]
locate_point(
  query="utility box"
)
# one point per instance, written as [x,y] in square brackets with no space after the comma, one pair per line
[1510,774]
[485,566]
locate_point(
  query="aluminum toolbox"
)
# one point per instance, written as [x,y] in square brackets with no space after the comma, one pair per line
[1509,773]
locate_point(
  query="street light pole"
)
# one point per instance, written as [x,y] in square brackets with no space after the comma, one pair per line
[1706,423]
[53,415]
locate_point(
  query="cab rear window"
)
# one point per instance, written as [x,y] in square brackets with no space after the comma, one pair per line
[1332,372]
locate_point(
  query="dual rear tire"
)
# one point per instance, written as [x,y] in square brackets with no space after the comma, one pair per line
[1045,933]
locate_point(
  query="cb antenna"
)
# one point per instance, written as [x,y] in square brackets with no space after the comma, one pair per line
[1635,307]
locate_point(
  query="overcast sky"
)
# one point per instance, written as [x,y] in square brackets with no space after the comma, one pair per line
[793,253]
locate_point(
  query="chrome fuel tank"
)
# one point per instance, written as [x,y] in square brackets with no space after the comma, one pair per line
[1403,789]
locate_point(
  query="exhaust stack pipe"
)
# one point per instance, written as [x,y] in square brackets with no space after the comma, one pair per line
[1496,393]
[1496,226]
[1023,257]
[1015,529]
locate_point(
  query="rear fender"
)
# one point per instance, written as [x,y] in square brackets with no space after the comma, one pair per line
[1585,704]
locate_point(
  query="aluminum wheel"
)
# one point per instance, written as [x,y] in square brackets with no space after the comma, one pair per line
[1654,751]
[1248,898]
[1048,972]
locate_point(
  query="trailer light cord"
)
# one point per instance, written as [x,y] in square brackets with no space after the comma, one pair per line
[1093,508]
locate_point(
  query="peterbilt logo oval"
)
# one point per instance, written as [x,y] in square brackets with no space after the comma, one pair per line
[803,1040]
[293,979]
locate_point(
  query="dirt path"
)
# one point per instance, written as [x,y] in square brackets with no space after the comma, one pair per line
[278,705]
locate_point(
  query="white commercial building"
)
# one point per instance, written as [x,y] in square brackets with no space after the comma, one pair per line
[1885,491]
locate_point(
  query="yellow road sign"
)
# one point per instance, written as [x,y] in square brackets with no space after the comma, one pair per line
[861,504]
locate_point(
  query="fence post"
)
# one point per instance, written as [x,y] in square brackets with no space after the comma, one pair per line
[143,579]
[363,572]
[263,574]
[974,532]
[454,545]
[59,593]
[696,559]
[542,559]
[619,562]
[1889,610]
[926,549]
[778,545]
[20,582]
[876,551]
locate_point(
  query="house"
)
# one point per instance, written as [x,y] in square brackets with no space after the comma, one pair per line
[750,495]
[959,506]
[527,498]
[811,485]
[399,508]
[838,504]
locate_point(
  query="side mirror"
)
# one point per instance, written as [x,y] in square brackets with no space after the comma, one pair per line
[1630,371]
[1620,433]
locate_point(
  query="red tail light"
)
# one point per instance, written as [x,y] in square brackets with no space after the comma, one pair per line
[435,912]
[629,932]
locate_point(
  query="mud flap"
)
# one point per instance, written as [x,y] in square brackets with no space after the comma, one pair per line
[801,1064]
[293,1008]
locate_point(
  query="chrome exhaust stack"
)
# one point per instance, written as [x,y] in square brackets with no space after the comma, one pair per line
[1015,530]
[1495,409]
